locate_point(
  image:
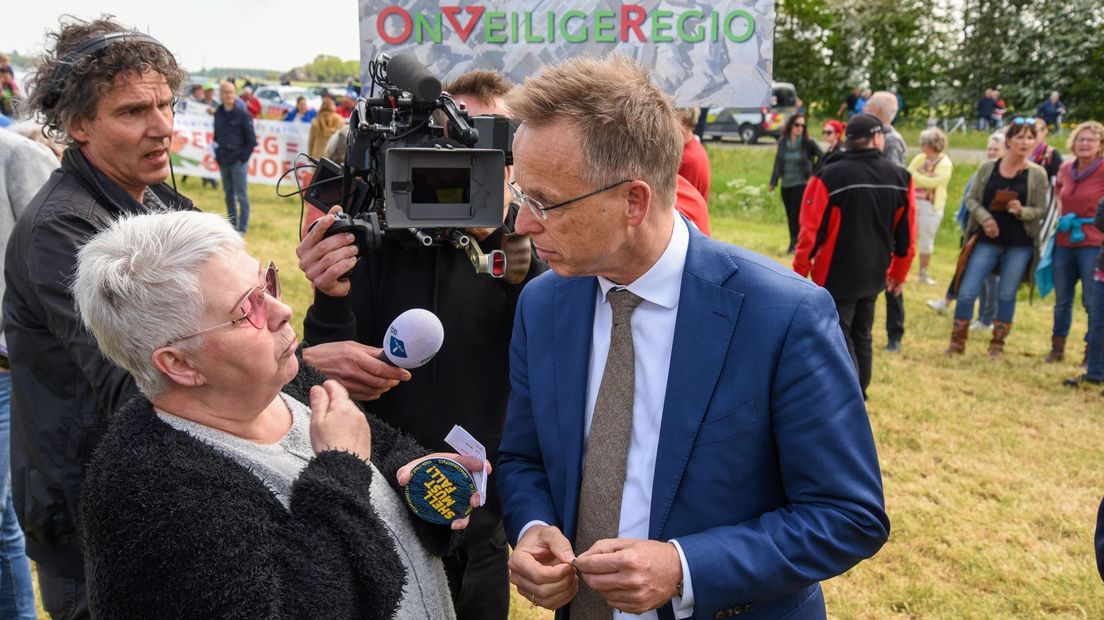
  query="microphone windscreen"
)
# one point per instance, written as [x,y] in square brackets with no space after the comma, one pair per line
[413,338]
[409,74]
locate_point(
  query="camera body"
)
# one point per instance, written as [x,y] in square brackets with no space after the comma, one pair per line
[416,167]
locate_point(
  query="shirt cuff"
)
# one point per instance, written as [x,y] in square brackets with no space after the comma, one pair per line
[528,525]
[683,606]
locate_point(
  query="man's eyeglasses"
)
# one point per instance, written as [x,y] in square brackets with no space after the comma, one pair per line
[540,210]
[252,305]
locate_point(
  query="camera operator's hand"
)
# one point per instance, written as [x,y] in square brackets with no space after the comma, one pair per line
[358,367]
[325,259]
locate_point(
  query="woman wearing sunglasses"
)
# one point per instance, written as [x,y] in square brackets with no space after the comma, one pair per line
[1006,205]
[794,162]
[238,484]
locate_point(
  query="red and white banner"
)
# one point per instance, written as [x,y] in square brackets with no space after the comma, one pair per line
[278,144]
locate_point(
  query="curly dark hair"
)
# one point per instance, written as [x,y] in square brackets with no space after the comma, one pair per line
[78,93]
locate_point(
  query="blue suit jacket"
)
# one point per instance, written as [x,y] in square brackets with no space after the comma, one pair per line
[767,473]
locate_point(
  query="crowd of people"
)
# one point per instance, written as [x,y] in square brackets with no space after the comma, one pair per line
[177,452]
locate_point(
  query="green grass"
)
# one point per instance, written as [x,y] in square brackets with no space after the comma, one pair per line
[991,470]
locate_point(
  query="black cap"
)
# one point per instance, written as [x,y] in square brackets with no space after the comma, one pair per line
[863,126]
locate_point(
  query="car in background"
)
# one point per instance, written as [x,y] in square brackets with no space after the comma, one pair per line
[750,124]
[277,101]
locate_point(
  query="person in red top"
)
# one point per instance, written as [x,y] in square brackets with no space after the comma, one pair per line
[858,233]
[252,104]
[695,161]
[689,202]
[1079,187]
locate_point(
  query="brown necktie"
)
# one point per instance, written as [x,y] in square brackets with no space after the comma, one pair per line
[607,450]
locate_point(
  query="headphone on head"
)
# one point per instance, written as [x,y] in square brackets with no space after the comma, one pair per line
[86,49]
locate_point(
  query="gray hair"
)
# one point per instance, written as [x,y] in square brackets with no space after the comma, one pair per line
[935,138]
[629,128]
[137,285]
[882,104]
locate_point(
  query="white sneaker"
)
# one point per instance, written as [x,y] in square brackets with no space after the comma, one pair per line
[978,326]
[939,305]
[926,279]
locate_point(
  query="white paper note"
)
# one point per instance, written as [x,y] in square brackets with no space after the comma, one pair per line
[463,442]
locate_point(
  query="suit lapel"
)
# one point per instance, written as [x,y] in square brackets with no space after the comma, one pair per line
[704,327]
[573,317]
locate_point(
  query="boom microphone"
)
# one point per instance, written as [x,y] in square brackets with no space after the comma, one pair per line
[413,338]
[409,74]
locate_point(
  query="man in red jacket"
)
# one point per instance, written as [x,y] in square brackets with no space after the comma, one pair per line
[858,233]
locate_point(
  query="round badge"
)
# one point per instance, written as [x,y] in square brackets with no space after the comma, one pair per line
[440,490]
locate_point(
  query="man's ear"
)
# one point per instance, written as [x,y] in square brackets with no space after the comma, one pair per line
[639,201]
[78,129]
[175,365]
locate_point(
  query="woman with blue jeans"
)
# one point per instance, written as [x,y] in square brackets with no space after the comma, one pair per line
[1094,355]
[1079,187]
[1006,204]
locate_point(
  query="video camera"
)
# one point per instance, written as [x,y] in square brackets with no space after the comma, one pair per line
[417,167]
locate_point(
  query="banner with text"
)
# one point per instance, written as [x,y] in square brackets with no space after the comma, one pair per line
[278,144]
[701,53]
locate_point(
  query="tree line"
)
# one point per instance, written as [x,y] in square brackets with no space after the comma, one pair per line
[942,54]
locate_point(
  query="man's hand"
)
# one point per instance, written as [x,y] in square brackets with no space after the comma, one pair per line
[358,367]
[893,286]
[470,463]
[540,567]
[633,575]
[325,260]
[337,423]
[990,228]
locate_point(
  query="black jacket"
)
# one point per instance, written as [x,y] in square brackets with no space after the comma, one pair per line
[811,155]
[63,389]
[234,135]
[467,383]
[858,225]
[174,529]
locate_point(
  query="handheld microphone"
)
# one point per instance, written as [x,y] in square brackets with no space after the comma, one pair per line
[409,74]
[413,338]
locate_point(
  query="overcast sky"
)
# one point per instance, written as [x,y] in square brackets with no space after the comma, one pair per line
[256,34]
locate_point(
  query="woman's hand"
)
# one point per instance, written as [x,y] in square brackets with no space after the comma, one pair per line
[1015,207]
[770,188]
[990,228]
[337,423]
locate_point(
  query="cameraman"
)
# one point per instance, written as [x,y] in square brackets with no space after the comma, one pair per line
[107,92]
[466,383]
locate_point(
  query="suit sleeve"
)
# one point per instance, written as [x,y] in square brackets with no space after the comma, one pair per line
[904,237]
[835,511]
[814,204]
[522,480]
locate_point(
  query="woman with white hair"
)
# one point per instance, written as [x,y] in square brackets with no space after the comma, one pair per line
[239,484]
[931,173]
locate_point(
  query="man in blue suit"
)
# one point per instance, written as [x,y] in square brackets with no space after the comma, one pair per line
[685,437]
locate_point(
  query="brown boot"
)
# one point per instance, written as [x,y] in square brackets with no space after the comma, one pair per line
[1057,349]
[959,332]
[1000,334]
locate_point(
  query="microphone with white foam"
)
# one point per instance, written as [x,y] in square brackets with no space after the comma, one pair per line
[413,338]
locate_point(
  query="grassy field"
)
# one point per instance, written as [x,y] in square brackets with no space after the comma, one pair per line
[992,470]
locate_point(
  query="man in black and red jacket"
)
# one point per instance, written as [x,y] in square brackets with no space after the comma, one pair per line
[858,233]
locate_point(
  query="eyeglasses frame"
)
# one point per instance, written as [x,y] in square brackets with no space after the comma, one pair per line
[241,305]
[541,211]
